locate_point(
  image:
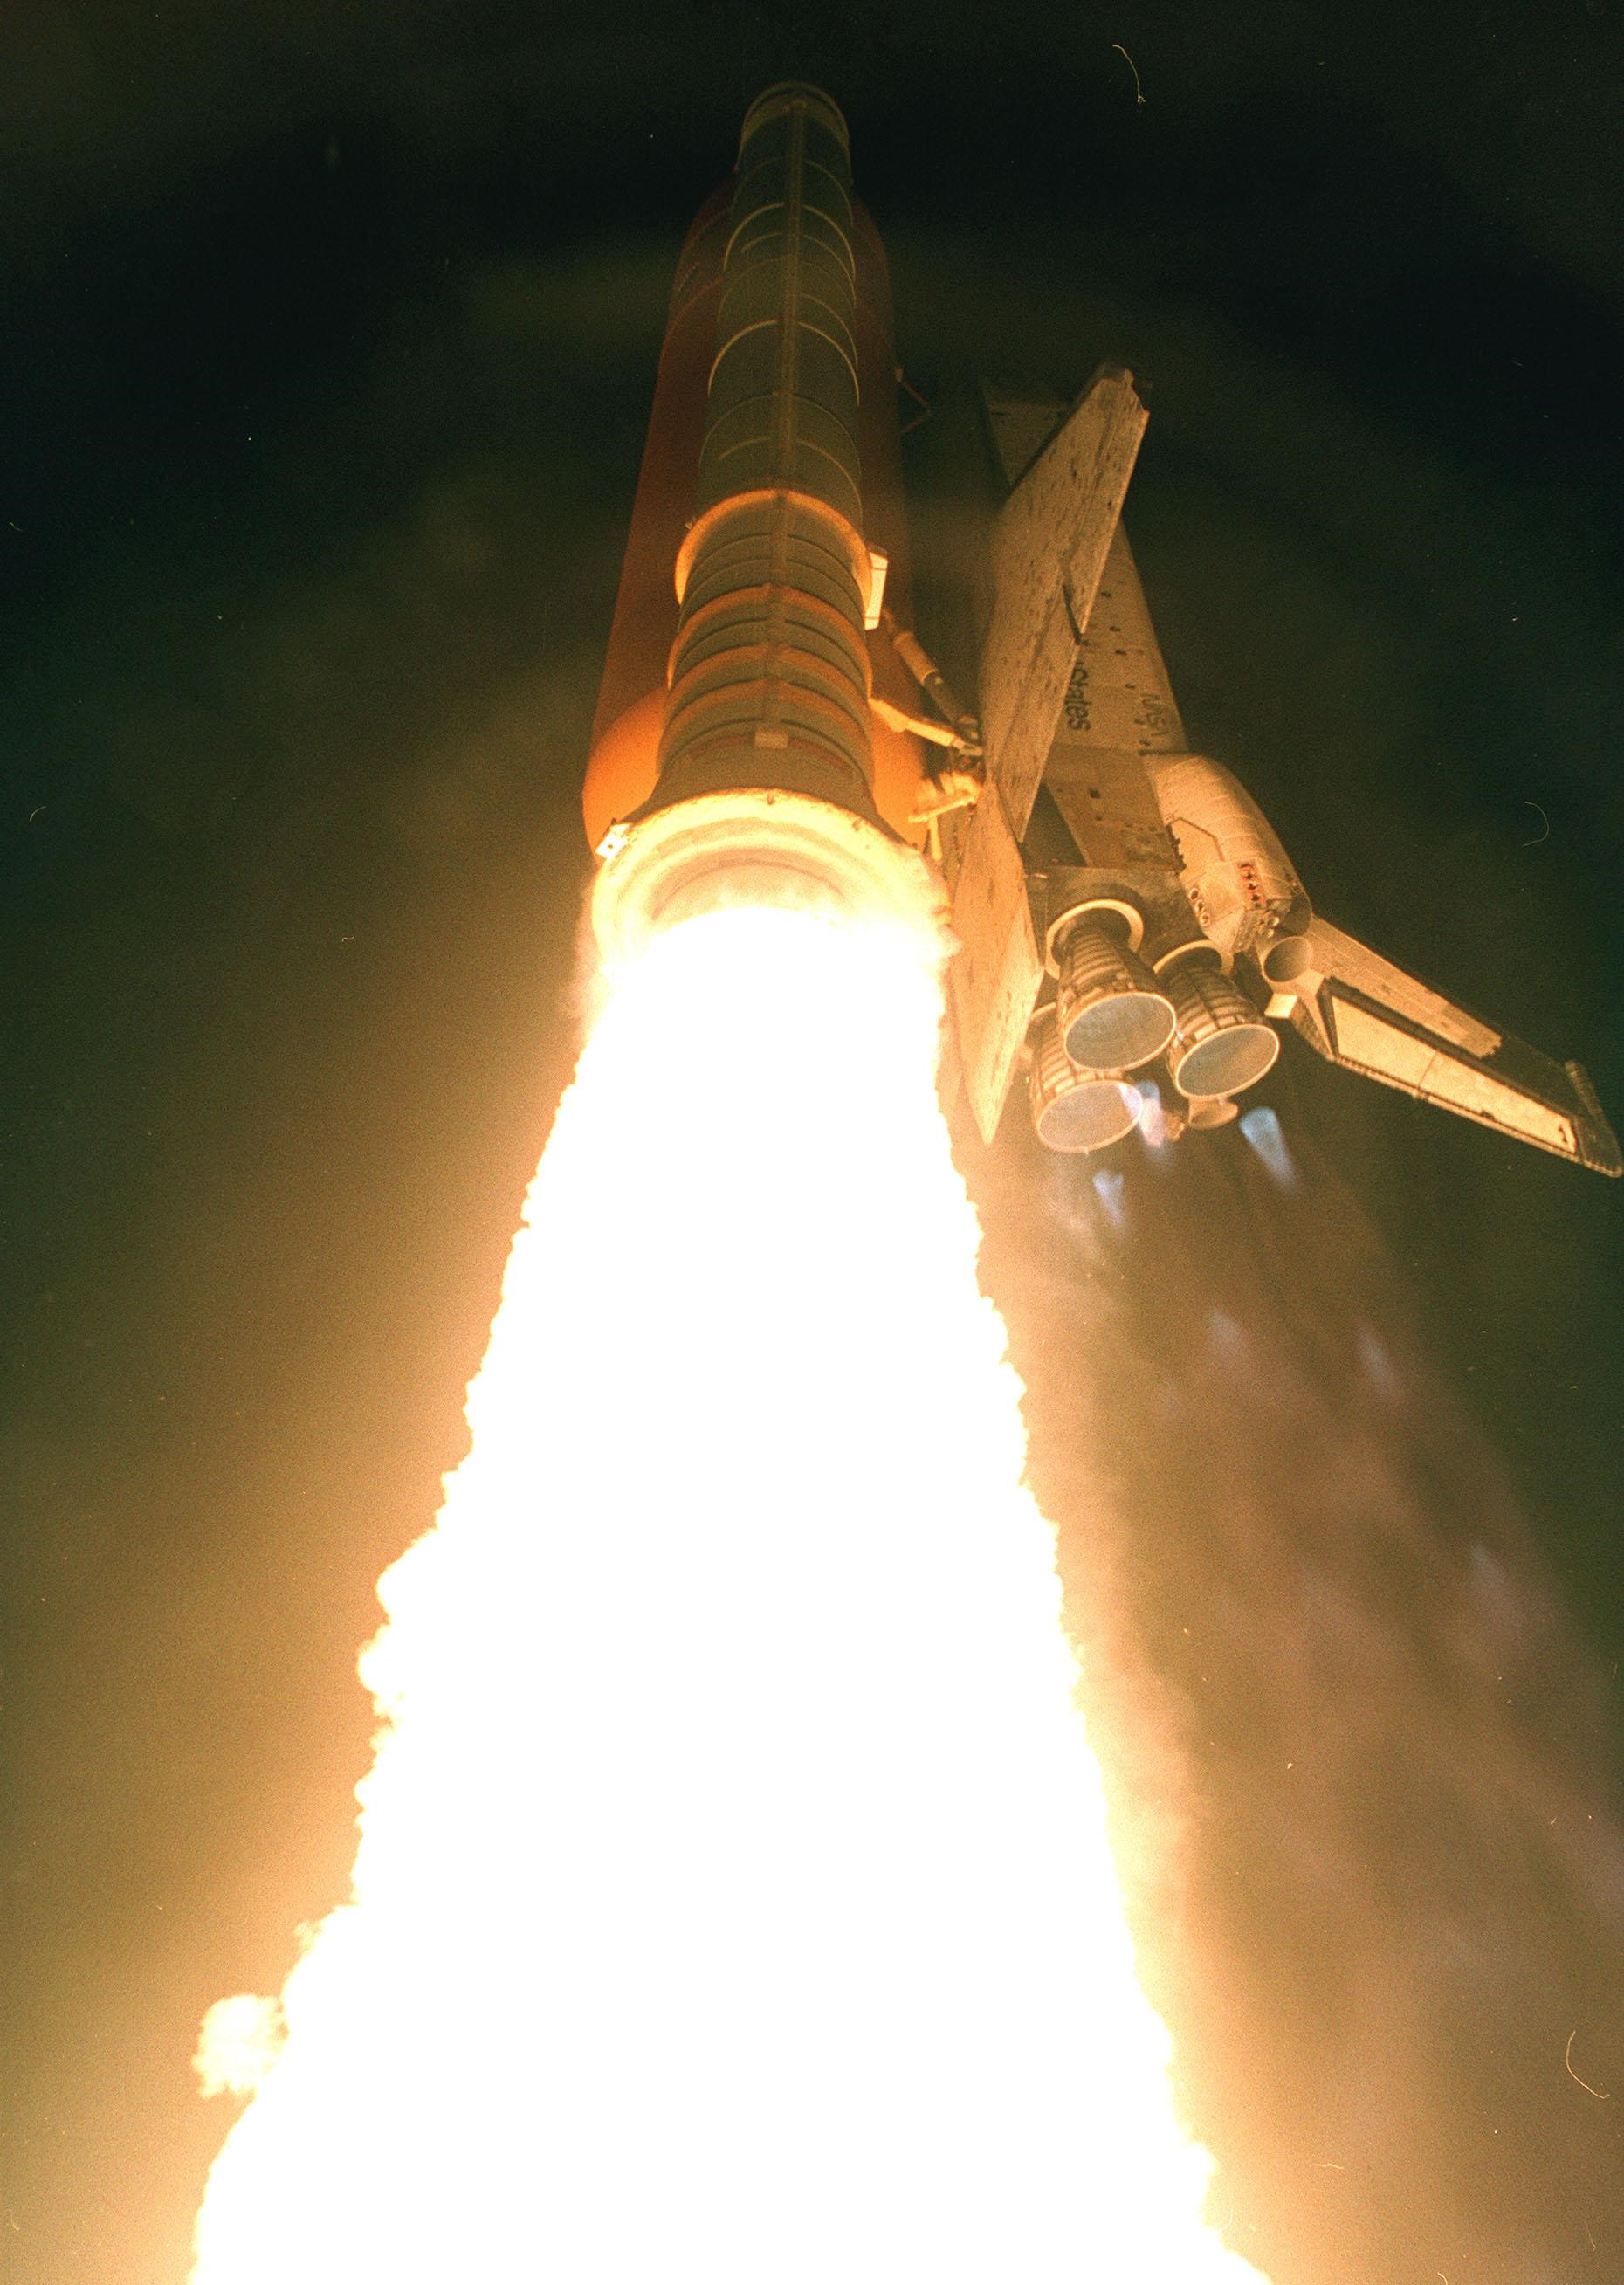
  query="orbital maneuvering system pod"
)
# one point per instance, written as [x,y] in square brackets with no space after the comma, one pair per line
[770,727]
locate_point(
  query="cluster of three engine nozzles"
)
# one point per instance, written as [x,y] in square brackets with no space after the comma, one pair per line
[1112,1015]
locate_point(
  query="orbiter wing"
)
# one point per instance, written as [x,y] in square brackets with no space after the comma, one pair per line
[1360,1010]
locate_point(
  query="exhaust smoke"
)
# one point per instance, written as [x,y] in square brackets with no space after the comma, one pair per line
[1364,1778]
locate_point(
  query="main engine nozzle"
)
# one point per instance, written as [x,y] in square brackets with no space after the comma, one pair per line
[765,766]
[1113,1015]
[1221,1044]
[1073,1108]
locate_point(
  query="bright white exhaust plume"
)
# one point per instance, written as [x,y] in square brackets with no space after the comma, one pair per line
[733,1900]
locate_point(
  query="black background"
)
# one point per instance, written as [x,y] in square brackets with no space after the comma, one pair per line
[330,339]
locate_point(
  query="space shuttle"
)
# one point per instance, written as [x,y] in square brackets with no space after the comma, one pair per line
[1131,940]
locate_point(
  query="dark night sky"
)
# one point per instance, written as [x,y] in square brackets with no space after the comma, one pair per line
[330,337]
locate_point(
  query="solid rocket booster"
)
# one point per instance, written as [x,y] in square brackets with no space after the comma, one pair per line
[736,752]
[774,574]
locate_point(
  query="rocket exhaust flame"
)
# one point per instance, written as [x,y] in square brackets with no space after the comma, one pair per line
[732,1896]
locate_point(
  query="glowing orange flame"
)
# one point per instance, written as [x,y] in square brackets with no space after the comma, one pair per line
[733,1898]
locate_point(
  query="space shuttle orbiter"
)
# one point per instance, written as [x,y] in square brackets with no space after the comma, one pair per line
[770,725]
[1122,905]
